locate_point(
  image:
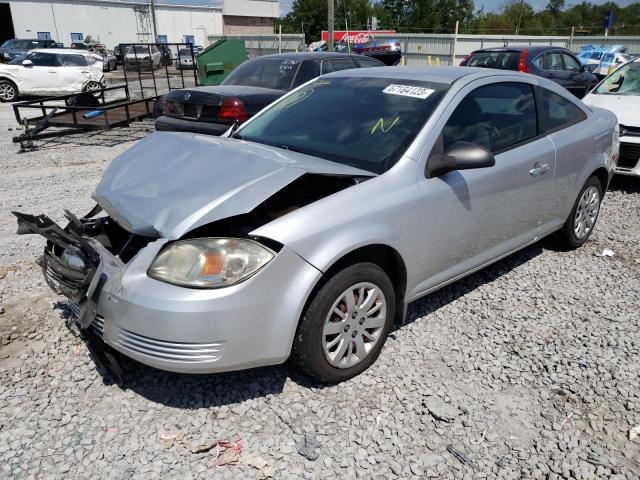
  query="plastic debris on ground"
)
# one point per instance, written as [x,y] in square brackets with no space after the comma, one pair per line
[607,253]
[461,457]
[309,447]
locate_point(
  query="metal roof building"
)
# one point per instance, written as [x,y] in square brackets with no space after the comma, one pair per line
[126,21]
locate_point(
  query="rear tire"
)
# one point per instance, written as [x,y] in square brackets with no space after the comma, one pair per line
[582,219]
[8,91]
[334,347]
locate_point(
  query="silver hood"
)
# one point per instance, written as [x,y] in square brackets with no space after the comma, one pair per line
[170,183]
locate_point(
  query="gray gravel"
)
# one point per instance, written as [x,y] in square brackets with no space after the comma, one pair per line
[526,369]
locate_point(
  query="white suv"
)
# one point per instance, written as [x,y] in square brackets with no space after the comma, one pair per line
[50,71]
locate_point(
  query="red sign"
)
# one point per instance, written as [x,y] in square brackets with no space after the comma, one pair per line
[354,36]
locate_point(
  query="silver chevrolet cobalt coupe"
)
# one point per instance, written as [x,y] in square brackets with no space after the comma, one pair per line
[307,231]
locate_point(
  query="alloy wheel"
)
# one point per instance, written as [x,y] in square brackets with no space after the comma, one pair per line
[587,212]
[354,325]
[92,87]
[7,92]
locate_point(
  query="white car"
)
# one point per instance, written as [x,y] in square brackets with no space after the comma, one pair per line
[620,93]
[610,61]
[51,71]
[142,57]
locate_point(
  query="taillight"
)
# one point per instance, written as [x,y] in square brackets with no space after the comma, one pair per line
[232,109]
[522,64]
[165,106]
[466,59]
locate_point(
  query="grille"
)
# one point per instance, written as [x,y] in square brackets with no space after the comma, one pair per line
[630,131]
[183,352]
[629,155]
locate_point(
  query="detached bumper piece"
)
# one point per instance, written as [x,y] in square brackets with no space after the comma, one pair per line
[69,262]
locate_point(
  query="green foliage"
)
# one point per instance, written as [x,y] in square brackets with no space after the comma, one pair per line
[414,16]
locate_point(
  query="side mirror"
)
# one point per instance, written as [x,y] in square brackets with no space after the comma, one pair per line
[27,63]
[460,156]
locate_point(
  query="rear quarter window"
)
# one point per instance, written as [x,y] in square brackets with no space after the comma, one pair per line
[559,112]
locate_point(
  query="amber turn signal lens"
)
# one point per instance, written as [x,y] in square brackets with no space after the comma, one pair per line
[213,263]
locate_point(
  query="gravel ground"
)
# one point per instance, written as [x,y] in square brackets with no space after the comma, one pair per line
[526,369]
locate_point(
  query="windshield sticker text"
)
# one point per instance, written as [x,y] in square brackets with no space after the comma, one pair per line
[408,91]
[380,124]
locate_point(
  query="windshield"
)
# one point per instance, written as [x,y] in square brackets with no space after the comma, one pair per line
[366,123]
[185,52]
[499,60]
[7,44]
[18,60]
[624,81]
[275,73]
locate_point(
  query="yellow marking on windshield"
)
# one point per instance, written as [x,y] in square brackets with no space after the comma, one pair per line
[380,124]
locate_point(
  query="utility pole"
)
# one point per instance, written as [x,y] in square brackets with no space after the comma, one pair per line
[519,17]
[153,20]
[330,26]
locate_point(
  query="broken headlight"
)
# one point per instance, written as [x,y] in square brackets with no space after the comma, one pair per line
[209,262]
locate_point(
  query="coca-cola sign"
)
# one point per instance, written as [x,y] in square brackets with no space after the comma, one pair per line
[354,36]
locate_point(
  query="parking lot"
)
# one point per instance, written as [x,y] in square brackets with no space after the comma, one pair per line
[526,369]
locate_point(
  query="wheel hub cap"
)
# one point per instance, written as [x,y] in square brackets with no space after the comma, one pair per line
[6,92]
[354,325]
[586,213]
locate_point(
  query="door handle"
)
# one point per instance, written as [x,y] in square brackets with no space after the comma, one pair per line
[539,169]
[53,71]
[85,71]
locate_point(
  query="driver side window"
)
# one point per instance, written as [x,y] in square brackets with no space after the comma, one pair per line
[497,116]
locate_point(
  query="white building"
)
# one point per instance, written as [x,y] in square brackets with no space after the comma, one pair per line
[128,21]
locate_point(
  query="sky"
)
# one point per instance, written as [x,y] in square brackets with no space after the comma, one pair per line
[489,5]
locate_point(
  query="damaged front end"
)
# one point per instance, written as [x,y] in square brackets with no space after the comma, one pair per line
[71,262]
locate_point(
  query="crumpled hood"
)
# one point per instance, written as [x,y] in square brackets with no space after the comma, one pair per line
[625,107]
[170,183]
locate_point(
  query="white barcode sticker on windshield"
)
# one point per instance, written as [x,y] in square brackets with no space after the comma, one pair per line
[408,91]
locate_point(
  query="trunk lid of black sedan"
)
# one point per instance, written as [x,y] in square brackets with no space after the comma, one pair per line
[219,104]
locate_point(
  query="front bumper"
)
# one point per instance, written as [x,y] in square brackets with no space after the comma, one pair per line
[188,330]
[629,160]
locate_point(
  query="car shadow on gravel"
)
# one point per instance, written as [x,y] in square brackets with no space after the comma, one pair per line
[626,184]
[212,390]
[460,288]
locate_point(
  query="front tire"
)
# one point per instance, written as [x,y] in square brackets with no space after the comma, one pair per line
[583,217]
[344,327]
[8,91]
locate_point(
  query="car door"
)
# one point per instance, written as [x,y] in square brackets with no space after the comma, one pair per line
[42,75]
[577,80]
[74,72]
[475,216]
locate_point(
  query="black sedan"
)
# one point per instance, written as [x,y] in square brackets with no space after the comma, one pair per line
[248,89]
[555,63]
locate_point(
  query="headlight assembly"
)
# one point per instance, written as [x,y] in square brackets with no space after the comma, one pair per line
[209,262]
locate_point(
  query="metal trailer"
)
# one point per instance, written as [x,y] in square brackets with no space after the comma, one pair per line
[110,107]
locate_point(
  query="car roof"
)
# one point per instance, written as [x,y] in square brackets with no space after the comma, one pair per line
[309,55]
[518,48]
[68,51]
[445,75]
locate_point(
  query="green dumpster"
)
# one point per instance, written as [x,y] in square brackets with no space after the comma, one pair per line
[219,59]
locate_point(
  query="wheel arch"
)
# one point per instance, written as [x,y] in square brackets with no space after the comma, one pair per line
[602,175]
[382,255]
[12,82]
